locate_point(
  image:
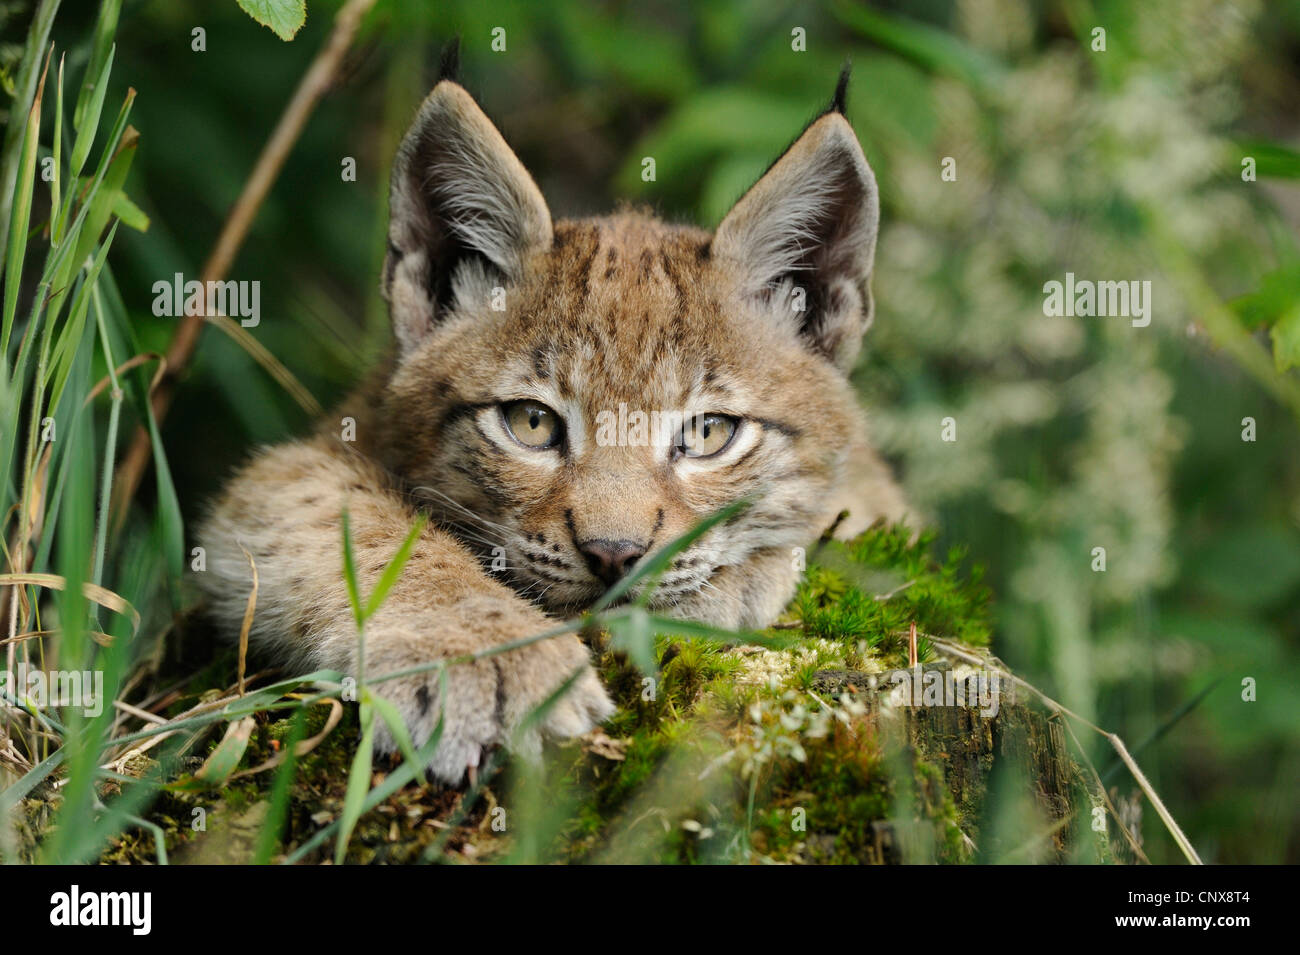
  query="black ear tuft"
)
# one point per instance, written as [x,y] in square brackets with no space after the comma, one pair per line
[449,65]
[841,90]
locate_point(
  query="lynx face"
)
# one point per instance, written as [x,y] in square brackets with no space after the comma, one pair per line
[572,397]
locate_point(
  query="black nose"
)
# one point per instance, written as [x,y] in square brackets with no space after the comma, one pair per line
[610,560]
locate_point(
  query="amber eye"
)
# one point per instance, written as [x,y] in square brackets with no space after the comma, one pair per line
[705,435]
[532,424]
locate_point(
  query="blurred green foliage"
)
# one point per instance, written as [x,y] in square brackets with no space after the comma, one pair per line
[1073,433]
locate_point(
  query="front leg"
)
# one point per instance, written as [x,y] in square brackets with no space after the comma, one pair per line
[284,511]
[487,699]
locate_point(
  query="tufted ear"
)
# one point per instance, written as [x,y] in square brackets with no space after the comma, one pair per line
[463,214]
[803,238]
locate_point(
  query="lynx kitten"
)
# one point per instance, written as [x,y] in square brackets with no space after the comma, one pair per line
[514,334]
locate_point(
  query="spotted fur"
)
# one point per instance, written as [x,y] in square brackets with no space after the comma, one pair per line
[493,302]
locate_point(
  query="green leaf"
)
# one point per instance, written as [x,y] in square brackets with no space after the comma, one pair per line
[632,634]
[394,568]
[655,566]
[170,526]
[358,783]
[130,214]
[284,18]
[716,122]
[648,58]
[62,263]
[728,180]
[633,631]
[56,154]
[350,571]
[1286,340]
[1272,160]
[1278,291]
[281,791]
[396,725]
[16,792]
[86,118]
[105,27]
[66,349]
[692,630]
[101,206]
[24,85]
[394,781]
[224,759]
[488,771]
[22,208]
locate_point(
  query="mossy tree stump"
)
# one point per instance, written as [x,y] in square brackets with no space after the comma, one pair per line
[970,746]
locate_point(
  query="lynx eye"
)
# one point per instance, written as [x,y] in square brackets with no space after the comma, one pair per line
[705,435]
[532,424]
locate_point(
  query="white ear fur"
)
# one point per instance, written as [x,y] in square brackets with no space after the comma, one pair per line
[461,207]
[805,235]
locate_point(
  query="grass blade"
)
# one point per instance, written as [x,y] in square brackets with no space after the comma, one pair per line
[396,725]
[223,761]
[86,119]
[26,185]
[656,564]
[101,51]
[358,783]
[37,36]
[350,571]
[281,790]
[394,568]
[405,773]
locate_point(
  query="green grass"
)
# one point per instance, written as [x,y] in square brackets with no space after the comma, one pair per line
[54,360]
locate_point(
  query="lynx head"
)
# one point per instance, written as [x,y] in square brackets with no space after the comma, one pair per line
[577,394]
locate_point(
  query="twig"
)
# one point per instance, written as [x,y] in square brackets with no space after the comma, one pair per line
[99,636]
[317,80]
[1161,811]
[1101,787]
[137,712]
[152,740]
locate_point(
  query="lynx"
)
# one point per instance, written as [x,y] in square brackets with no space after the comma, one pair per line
[513,334]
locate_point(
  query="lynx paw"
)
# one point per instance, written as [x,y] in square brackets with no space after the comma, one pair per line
[489,700]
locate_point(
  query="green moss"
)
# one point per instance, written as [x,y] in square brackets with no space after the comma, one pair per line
[869,591]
